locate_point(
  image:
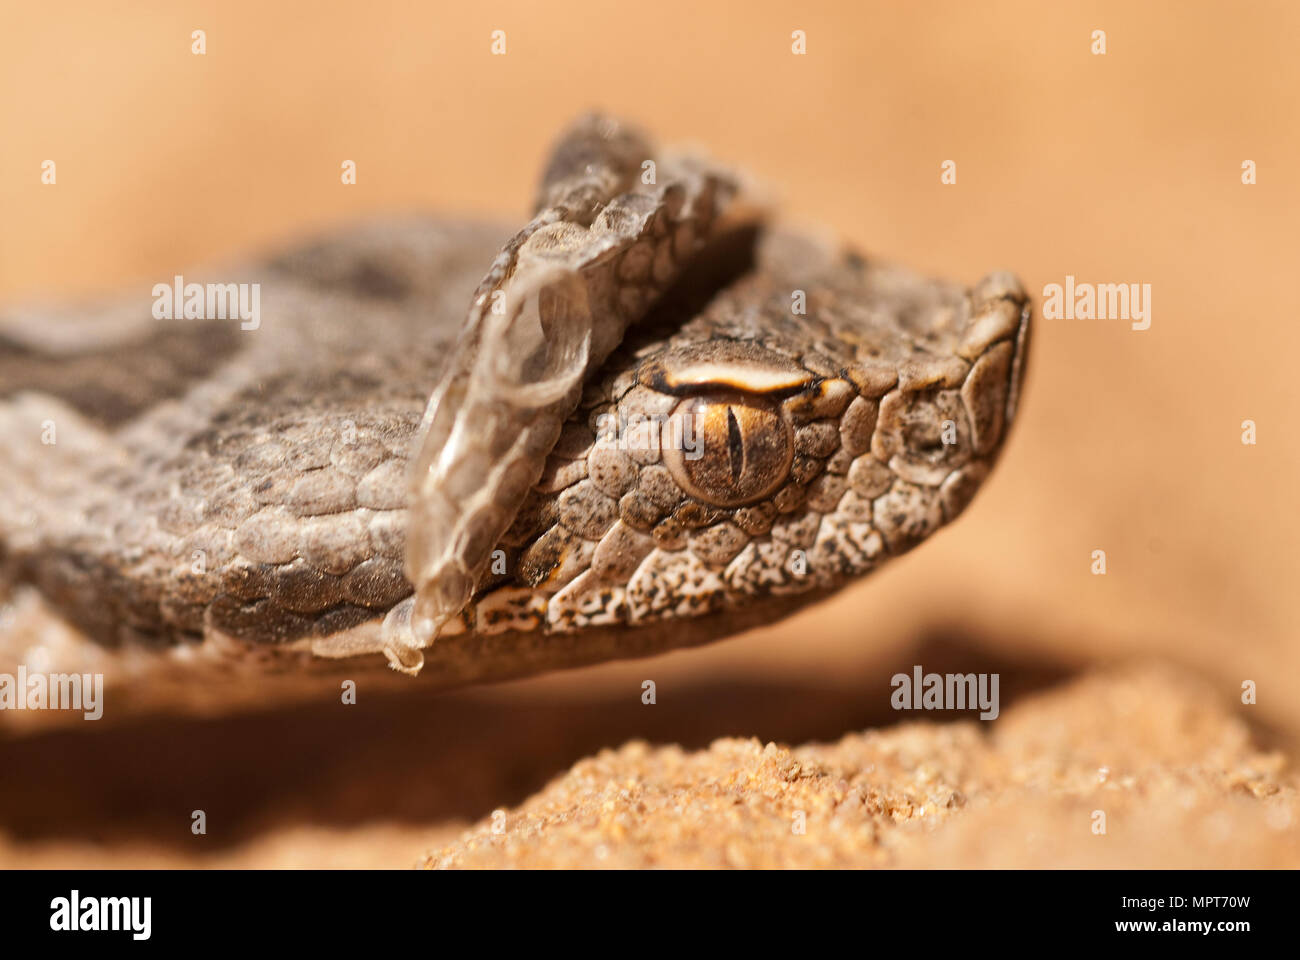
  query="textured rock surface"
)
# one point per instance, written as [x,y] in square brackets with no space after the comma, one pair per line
[1174,772]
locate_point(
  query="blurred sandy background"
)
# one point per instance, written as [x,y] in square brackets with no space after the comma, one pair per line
[1117,168]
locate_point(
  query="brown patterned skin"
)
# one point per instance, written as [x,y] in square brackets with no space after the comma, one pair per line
[256,503]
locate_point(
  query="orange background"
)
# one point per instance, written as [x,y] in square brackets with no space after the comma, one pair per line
[1117,168]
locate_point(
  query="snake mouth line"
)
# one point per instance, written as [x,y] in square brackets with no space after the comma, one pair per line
[1019,362]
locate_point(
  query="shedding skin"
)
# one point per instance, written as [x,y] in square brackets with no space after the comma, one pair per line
[608,238]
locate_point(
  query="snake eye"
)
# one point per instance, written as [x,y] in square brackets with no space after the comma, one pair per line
[728,450]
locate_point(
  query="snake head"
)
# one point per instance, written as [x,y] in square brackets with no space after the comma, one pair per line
[729,424]
[759,441]
[661,422]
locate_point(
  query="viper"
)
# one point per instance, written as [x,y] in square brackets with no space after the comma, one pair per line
[650,418]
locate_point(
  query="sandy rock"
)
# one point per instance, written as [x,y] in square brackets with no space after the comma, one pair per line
[1170,765]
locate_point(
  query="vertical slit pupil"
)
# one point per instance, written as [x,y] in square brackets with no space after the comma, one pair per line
[735,445]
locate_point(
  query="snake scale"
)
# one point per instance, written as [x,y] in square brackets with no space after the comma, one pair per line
[662,421]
